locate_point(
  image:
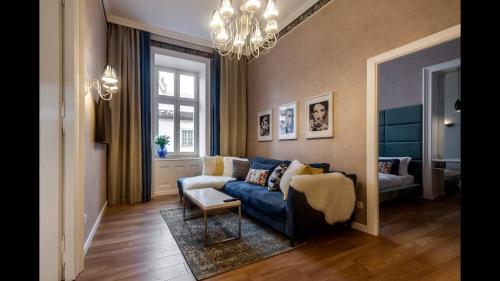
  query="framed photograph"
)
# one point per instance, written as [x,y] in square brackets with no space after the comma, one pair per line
[265,125]
[319,116]
[287,121]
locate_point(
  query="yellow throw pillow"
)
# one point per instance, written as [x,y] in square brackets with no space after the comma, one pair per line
[308,170]
[219,166]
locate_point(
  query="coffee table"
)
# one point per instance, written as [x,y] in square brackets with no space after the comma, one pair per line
[209,200]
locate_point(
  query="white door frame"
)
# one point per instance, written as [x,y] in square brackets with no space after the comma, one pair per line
[372,200]
[429,87]
[73,151]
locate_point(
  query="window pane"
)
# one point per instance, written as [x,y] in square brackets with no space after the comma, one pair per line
[186,128]
[186,86]
[166,83]
[166,123]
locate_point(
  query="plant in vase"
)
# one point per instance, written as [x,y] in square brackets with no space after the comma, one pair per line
[162,141]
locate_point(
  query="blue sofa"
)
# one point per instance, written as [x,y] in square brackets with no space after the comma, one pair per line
[294,217]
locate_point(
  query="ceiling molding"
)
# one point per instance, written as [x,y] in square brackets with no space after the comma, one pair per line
[158,30]
[288,20]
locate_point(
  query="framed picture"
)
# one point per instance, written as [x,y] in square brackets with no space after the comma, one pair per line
[319,116]
[265,125]
[287,121]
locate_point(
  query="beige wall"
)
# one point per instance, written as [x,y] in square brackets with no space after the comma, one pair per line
[328,52]
[95,153]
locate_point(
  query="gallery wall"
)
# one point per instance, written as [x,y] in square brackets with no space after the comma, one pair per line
[329,52]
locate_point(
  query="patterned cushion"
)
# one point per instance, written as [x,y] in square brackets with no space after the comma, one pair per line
[273,184]
[389,166]
[240,169]
[258,177]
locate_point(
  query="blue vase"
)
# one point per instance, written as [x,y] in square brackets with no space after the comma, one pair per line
[162,151]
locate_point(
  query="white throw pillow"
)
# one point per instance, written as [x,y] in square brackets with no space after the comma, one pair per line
[403,164]
[291,171]
[209,165]
[228,165]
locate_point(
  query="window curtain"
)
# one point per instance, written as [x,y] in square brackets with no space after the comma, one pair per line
[215,105]
[233,107]
[125,184]
[145,77]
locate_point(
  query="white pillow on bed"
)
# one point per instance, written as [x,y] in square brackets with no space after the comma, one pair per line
[403,164]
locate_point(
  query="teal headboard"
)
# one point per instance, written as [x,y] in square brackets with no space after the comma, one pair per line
[400,134]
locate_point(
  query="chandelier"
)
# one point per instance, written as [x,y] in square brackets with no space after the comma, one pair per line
[239,33]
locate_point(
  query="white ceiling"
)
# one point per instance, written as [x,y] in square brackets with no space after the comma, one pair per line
[186,20]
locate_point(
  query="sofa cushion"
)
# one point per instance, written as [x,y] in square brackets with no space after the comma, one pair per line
[240,169]
[257,197]
[273,184]
[257,176]
[197,182]
[266,161]
[228,165]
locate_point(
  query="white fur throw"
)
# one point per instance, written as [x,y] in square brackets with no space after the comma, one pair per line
[197,182]
[331,193]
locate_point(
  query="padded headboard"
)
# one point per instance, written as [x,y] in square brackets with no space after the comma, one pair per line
[400,134]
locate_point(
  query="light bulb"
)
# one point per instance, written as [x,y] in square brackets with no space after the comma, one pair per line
[257,36]
[271,27]
[238,41]
[252,5]
[222,36]
[226,9]
[271,10]
[216,20]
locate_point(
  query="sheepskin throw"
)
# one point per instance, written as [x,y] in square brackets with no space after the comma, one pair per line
[331,193]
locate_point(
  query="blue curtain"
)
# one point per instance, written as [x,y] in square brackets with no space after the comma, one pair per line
[215,105]
[145,73]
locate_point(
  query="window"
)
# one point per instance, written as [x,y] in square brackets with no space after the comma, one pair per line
[176,104]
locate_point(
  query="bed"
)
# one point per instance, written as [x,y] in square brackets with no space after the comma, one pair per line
[400,135]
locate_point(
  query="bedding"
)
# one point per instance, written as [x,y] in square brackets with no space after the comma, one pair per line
[388,180]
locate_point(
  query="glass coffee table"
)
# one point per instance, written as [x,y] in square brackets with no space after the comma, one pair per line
[210,200]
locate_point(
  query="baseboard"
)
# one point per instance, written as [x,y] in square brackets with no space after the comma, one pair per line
[86,246]
[360,227]
[167,192]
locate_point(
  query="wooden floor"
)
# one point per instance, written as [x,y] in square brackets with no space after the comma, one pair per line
[420,240]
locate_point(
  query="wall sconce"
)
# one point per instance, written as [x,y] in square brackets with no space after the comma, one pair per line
[449,124]
[109,83]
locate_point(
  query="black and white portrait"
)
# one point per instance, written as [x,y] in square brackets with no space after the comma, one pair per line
[265,125]
[319,116]
[288,121]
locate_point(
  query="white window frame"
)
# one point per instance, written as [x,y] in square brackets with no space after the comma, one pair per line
[177,101]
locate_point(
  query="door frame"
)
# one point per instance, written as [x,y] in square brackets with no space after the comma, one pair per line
[73,144]
[428,87]
[372,122]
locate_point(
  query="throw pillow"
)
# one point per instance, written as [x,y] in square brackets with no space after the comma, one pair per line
[257,177]
[213,166]
[273,184]
[228,165]
[291,171]
[259,166]
[389,166]
[240,169]
[403,164]
[308,170]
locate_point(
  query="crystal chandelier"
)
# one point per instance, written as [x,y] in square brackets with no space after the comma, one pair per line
[240,33]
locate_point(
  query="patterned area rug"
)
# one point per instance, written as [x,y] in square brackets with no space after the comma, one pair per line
[257,241]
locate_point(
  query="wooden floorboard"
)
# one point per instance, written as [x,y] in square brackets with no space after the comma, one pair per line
[419,240]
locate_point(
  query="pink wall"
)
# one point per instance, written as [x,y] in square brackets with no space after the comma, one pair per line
[95,153]
[328,52]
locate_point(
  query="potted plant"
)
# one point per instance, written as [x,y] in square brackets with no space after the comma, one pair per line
[162,141]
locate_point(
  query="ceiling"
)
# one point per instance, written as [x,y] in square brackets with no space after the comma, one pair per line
[186,20]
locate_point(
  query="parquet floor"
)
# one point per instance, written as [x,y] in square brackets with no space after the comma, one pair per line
[419,240]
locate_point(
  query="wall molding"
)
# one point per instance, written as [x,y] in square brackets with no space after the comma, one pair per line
[167,192]
[97,222]
[360,227]
[158,31]
[178,48]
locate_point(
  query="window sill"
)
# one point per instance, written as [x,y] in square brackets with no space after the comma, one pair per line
[179,158]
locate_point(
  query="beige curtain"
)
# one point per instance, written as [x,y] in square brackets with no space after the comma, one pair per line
[233,107]
[124,152]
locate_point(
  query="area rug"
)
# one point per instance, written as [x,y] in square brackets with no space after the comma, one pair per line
[257,242]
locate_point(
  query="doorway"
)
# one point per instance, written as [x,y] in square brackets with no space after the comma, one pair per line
[373,115]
